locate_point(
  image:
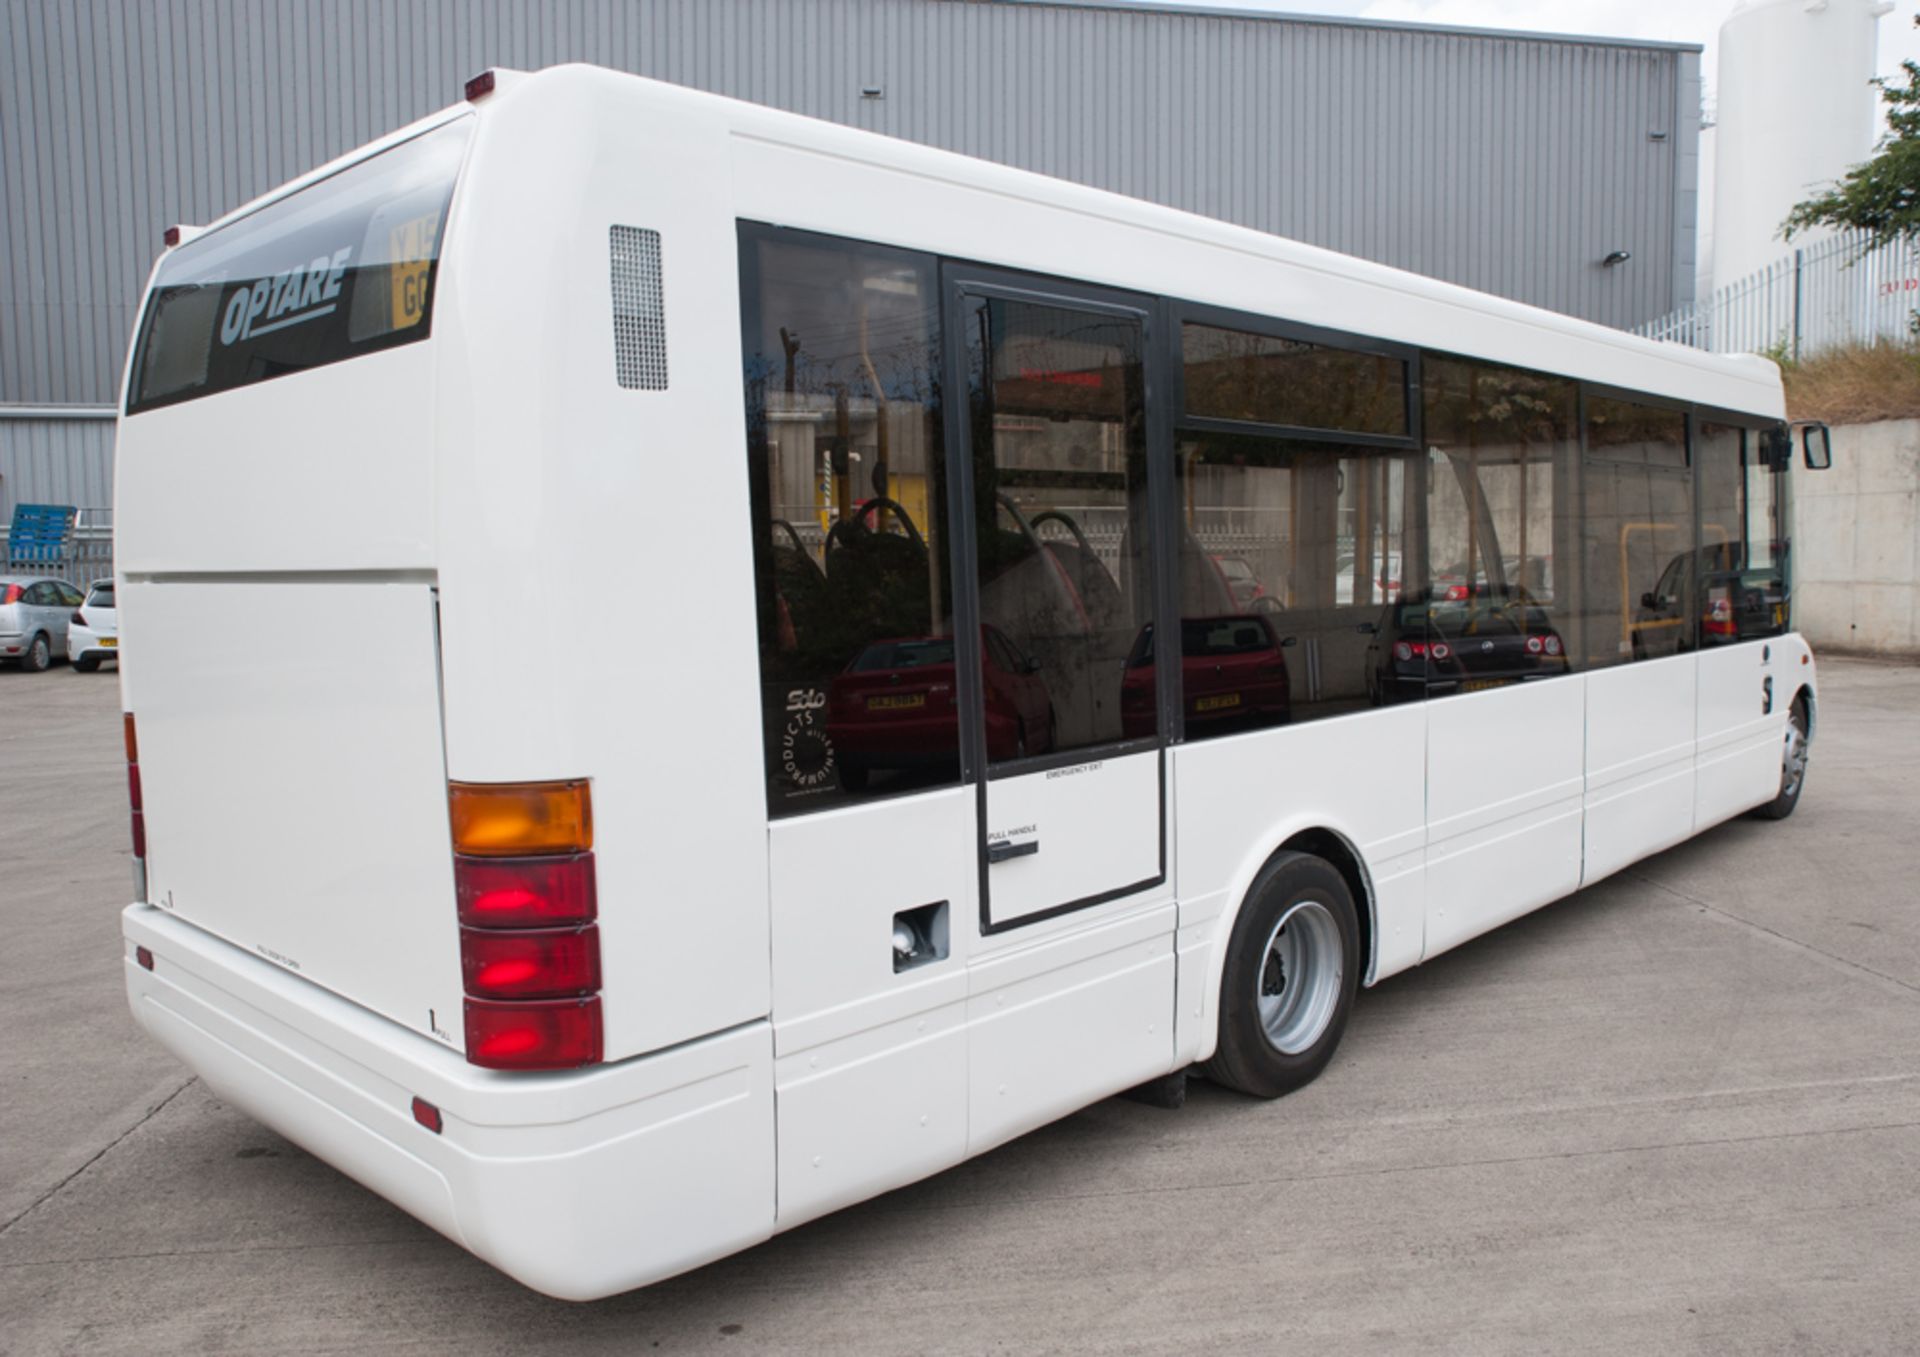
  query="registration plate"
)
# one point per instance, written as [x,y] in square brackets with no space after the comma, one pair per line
[897,702]
[109,642]
[1220,703]
[1481,685]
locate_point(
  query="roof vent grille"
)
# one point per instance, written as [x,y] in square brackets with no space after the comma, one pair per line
[639,311]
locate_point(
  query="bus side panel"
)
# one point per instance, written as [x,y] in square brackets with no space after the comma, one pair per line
[1238,799]
[1639,761]
[1740,731]
[596,577]
[1506,771]
[871,1068]
[1068,1021]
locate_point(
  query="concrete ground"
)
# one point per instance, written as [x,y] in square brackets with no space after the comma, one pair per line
[1679,1112]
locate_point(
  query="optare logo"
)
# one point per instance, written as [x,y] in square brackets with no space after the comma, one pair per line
[290,297]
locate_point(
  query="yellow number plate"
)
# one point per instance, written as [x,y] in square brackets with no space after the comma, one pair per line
[410,245]
[1221,703]
[109,642]
[897,702]
[1481,685]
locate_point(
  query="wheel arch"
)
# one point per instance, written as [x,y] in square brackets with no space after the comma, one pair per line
[1323,841]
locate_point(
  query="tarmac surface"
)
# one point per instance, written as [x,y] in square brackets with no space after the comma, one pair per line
[1679,1112]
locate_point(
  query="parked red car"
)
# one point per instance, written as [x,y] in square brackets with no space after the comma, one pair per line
[894,706]
[1232,676]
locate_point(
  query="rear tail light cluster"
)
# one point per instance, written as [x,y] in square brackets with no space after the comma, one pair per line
[1415,650]
[529,944]
[10,593]
[134,803]
[1548,644]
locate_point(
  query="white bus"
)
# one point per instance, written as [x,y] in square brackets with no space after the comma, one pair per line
[649,699]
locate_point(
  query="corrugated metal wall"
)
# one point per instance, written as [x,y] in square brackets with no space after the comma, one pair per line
[55,461]
[1506,163]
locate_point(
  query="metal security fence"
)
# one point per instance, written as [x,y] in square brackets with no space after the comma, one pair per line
[1835,292]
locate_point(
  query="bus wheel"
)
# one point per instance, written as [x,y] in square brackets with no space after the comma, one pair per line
[1793,764]
[1292,966]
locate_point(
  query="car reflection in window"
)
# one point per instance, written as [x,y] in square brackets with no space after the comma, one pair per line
[894,708]
[1736,604]
[1457,639]
[1232,674]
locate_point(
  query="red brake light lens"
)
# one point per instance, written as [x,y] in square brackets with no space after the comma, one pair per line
[1553,644]
[1535,645]
[534,963]
[134,799]
[524,892]
[144,957]
[549,1034]
[1442,651]
[11,594]
[480,86]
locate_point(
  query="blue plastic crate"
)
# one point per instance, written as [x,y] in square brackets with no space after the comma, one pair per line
[42,534]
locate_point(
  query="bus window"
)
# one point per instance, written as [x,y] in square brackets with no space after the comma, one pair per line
[344,267]
[1060,491]
[1501,453]
[1741,562]
[1266,379]
[1293,555]
[1636,597]
[848,487]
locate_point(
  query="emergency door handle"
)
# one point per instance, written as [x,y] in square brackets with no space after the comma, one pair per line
[1000,850]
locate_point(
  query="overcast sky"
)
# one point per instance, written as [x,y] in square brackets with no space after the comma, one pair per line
[1663,20]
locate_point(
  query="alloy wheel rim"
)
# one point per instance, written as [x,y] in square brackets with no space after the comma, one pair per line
[1301,969]
[1793,759]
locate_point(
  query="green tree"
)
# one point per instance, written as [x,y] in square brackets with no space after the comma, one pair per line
[1882,195]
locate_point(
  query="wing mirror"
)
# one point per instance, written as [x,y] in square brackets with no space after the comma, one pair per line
[1816,447]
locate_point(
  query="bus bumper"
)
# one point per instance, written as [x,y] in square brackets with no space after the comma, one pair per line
[578,1184]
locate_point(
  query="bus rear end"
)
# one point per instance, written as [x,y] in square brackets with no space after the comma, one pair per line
[418,954]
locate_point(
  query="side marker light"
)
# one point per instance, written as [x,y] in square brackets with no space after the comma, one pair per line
[427,1115]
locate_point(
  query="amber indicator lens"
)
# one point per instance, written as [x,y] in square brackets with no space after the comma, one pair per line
[133,744]
[512,819]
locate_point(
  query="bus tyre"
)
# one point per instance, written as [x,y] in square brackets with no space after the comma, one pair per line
[1293,963]
[39,654]
[1793,764]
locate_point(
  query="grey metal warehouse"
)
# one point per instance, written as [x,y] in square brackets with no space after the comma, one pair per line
[1510,162]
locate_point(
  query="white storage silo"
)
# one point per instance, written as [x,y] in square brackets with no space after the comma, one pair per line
[1796,110]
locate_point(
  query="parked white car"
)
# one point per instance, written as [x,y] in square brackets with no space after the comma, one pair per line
[34,613]
[93,632]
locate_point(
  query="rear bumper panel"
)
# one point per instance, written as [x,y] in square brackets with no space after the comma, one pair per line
[579,1185]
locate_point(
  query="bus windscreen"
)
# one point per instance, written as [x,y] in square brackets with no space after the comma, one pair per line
[342,268]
